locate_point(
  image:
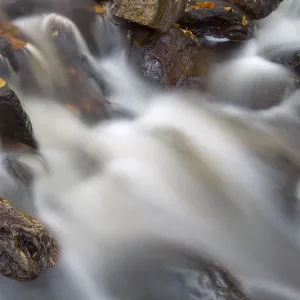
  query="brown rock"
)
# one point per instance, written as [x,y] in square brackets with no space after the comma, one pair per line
[165,59]
[257,9]
[158,14]
[27,249]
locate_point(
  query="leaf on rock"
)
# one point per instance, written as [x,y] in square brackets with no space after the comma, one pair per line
[244,21]
[17,44]
[189,34]
[2,83]
[228,8]
[99,9]
[199,5]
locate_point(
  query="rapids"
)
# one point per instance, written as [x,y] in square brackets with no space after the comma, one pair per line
[173,168]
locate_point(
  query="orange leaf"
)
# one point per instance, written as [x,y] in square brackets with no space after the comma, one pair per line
[2,83]
[199,5]
[17,44]
[99,9]
[72,71]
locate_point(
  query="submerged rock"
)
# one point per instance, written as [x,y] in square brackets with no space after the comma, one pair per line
[27,249]
[289,59]
[164,273]
[158,14]
[257,9]
[219,19]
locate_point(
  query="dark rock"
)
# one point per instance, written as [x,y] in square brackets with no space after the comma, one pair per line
[158,14]
[27,249]
[257,9]
[15,126]
[165,59]
[222,20]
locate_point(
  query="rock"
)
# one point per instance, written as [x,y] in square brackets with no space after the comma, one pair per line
[165,59]
[220,19]
[150,271]
[158,14]
[257,9]
[77,91]
[27,249]
[15,126]
[289,59]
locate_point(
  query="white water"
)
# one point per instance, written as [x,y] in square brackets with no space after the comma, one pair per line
[183,172]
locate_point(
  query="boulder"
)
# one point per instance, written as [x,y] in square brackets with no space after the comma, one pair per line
[257,9]
[27,249]
[220,19]
[158,14]
[165,59]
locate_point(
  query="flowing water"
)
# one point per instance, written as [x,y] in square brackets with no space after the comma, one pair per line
[175,170]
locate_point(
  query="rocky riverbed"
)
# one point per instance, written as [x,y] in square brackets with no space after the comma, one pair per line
[172,45]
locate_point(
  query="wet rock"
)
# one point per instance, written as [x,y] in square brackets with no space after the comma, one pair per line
[20,172]
[239,83]
[220,19]
[79,92]
[164,273]
[289,59]
[257,9]
[165,59]
[15,126]
[158,14]
[27,249]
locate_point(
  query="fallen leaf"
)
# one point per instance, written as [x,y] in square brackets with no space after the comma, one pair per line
[199,5]
[244,21]
[189,34]
[55,33]
[72,71]
[2,82]
[17,44]
[228,8]
[99,9]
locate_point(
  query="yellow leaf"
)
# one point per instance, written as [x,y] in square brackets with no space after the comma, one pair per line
[55,33]
[189,34]
[228,8]
[99,9]
[2,83]
[244,21]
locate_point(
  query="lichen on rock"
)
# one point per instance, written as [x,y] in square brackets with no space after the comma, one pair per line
[27,249]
